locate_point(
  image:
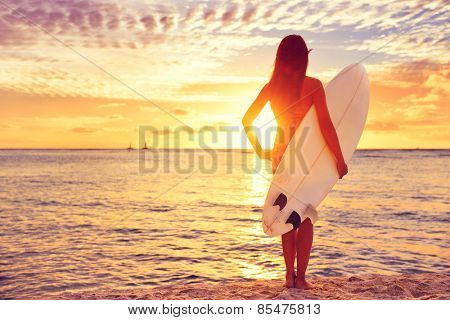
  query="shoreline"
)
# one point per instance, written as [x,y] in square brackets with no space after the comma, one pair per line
[426,286]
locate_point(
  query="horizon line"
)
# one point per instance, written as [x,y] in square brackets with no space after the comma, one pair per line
[218,149]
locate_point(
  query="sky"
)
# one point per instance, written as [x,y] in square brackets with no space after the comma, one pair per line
[90,74]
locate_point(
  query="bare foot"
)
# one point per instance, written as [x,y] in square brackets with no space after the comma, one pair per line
[290,280]
[303,284]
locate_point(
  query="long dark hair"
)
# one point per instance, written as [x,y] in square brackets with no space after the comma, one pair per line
[285,87]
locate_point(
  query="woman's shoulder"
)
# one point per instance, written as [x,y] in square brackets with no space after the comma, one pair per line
[312,85]
[313,81]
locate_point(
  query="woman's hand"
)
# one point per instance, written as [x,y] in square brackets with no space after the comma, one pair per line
[341,168]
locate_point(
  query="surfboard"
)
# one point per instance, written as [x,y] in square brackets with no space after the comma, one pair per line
[307,171]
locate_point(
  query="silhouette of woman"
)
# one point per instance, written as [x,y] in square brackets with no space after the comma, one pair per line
[291,93]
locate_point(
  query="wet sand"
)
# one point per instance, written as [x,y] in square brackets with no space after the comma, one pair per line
[415,286]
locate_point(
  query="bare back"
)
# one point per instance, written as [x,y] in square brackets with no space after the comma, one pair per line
[289,117]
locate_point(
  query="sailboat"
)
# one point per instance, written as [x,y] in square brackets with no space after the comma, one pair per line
[130,147]
[145,146]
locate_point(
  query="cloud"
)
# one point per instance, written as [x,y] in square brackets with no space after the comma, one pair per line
[439,82]
[113,23]
[168,22]
[10,35]
[249,14]
[408,23]
[84,130]
[165,131]
[220,87]
[421,101]
[75,17]
[180,130]
[190,13]
[209,14]
[229,15]
[113,105]
[130,22]
[180,112]
[149,22]
[95,19]
[381,126]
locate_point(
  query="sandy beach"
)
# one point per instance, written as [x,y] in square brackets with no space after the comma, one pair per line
[418,286]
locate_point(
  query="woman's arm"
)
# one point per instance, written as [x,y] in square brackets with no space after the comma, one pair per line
[248,119]
[327,128]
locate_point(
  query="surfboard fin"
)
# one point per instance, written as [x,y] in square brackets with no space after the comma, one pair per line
[281,201]
[294,219]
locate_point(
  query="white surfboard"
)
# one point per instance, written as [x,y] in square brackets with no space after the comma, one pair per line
[307,171]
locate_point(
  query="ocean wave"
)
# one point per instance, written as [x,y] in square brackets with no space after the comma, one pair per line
[204,203]
[128,230]
[160,209]
[242,220]
[404,214]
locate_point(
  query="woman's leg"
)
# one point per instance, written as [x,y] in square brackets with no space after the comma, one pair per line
[304,243]
[289,252]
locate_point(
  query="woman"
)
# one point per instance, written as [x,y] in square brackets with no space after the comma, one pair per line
[291,93]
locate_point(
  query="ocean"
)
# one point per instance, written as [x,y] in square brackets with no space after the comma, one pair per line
[93,219]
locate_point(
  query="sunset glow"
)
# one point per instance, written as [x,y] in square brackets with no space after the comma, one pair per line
[204,63]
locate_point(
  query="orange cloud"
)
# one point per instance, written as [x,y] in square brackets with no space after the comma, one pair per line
[85,130]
